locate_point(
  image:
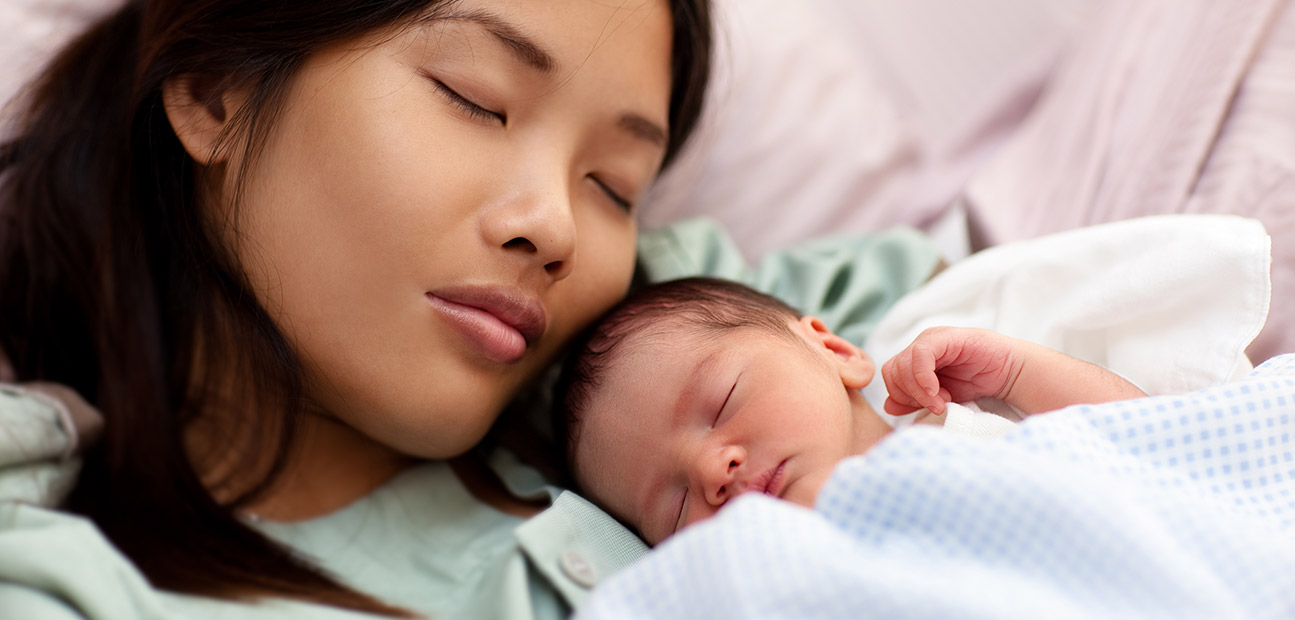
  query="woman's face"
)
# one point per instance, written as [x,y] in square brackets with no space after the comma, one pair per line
[439,209]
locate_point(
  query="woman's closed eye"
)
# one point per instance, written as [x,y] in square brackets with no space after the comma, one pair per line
[466,106]
[616,198]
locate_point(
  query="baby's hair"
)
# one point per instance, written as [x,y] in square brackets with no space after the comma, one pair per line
[709,304]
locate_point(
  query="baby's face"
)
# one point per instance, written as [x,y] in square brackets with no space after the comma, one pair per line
[684,422]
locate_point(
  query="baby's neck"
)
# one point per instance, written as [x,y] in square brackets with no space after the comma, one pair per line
[869,427]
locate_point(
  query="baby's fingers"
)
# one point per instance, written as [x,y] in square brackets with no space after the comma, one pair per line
[924,377]
[899,401]
[894,407]
[924,383]
[910,378]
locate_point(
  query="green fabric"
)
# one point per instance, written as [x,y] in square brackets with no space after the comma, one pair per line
[575,526]
[26,437]
[35,464]
[420,541]
[848,281]
[66,558]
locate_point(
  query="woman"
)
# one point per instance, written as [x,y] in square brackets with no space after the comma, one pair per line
[298,254]
[289,248]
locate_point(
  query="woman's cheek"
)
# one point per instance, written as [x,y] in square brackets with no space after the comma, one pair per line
[614,268]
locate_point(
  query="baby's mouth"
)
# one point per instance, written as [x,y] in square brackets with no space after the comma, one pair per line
[771,481]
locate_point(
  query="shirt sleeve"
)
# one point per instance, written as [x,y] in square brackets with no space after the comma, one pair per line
[37,442]
[849,281]
[31,604]
[55,565]
[36,427]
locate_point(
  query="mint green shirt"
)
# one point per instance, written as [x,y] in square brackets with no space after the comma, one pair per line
[421,541]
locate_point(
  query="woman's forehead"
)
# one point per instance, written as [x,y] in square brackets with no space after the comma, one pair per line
[609,62]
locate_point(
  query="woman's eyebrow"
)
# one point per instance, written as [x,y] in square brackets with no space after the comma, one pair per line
[643,129]
[522,46]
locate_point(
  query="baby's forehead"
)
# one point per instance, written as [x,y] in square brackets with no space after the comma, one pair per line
[671,337]
[681,336]
[650,354]
[653,334]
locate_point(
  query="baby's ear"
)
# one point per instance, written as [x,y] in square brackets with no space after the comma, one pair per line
[855,367]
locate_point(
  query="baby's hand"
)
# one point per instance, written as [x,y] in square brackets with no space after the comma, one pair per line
[950,364]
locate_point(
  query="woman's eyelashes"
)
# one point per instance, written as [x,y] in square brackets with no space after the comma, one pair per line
[465,105]
[480,113]
[616,198]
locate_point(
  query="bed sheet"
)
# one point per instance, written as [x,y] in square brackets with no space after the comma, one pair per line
[1163,507]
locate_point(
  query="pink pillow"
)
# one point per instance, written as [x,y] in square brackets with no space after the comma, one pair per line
[796,136]
[832,116]
[34,31]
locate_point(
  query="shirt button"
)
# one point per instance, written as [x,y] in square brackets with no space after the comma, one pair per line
[578,568]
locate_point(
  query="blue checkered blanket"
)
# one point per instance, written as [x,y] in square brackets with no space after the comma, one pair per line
[1162,507]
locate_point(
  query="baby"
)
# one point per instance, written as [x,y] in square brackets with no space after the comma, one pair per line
[692,392]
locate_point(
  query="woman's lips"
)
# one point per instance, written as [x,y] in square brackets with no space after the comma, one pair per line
[500,323]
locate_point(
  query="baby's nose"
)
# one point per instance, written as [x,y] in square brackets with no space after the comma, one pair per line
[721,473]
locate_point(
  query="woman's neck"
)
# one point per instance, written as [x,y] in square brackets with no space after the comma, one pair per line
[329,466]
[235,444]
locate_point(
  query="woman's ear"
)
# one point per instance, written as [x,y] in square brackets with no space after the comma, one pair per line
[199,108]
[855,367]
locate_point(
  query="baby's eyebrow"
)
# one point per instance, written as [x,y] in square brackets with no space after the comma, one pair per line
[649,499]
[688,394]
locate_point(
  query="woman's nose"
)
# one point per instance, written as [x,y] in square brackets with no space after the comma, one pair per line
[717,473]
[537,226]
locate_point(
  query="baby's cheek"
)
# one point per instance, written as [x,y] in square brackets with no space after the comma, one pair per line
[804,491]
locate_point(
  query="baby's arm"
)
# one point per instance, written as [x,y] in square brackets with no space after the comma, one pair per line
[957,364]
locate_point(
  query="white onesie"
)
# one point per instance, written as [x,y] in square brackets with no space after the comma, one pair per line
[969,419]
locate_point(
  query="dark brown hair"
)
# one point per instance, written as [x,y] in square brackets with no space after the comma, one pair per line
[711,305]
[111,283]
